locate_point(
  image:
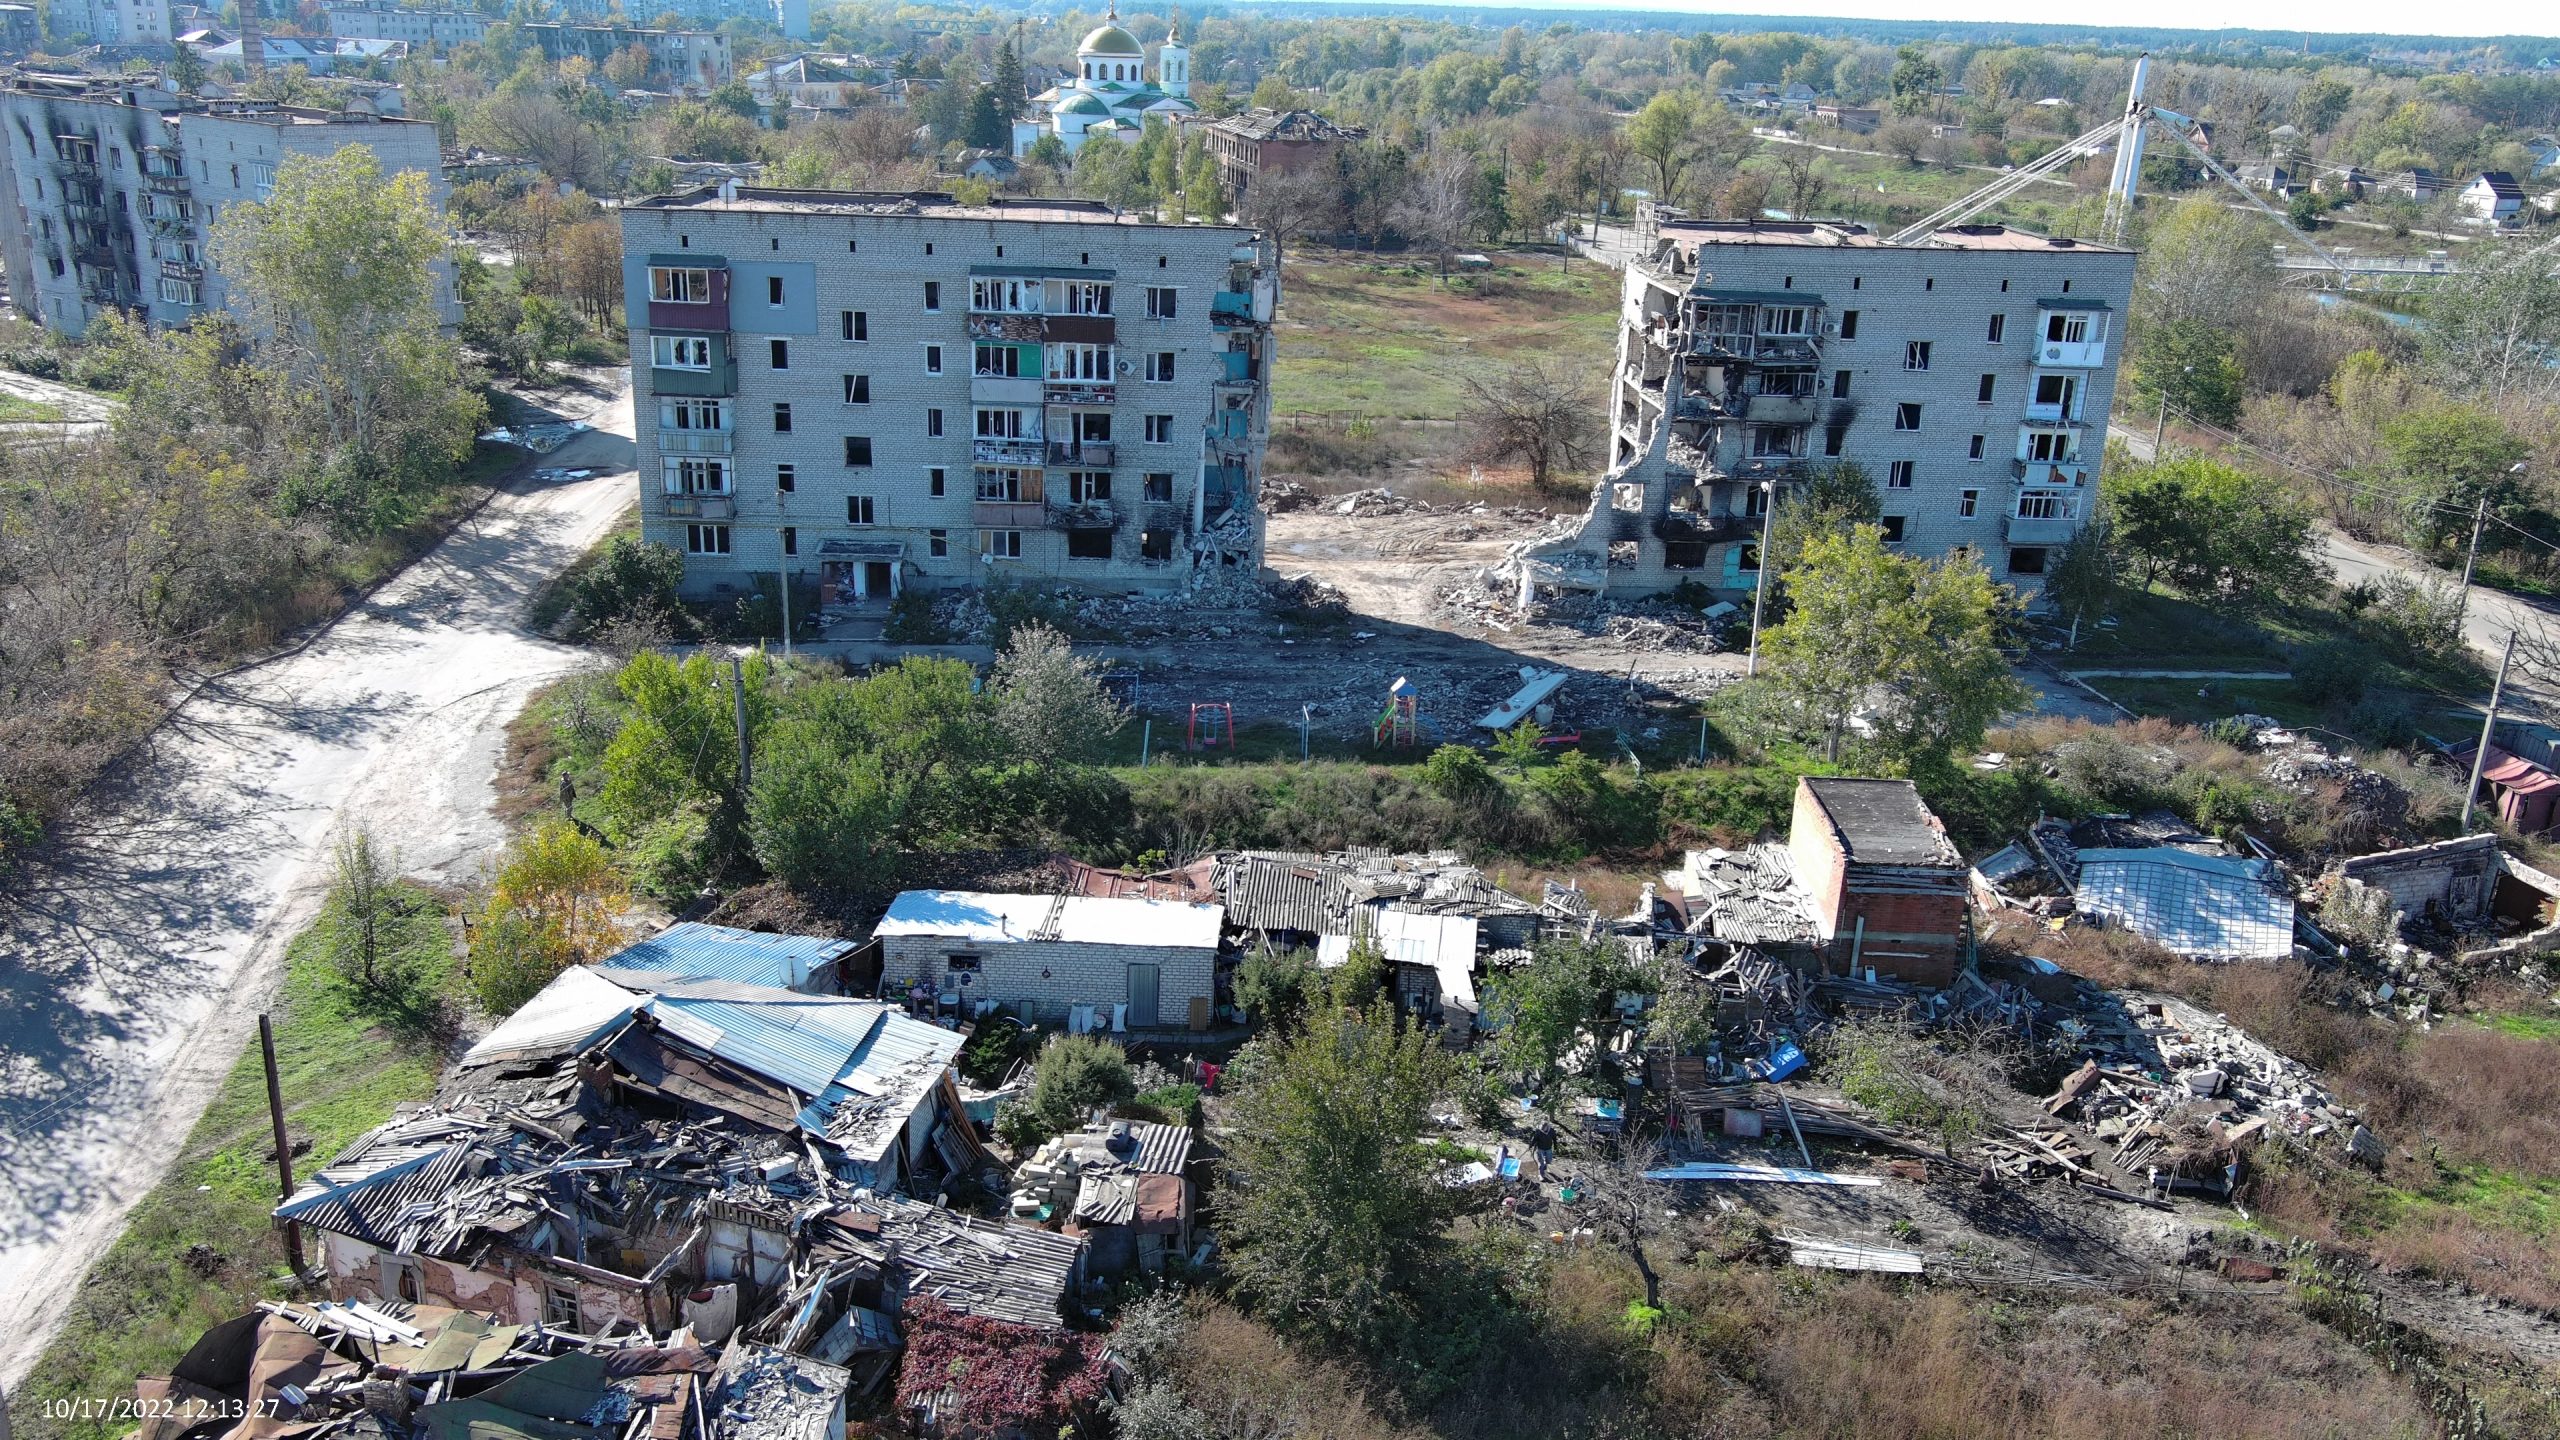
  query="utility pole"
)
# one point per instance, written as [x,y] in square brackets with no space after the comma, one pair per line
[1760,581]
[2470,558]
[786,612]
[2488,725]
[2160,430]
[738,703]
[284,1152]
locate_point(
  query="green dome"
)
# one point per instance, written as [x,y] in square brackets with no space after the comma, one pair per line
[1111,40]
[1084,105]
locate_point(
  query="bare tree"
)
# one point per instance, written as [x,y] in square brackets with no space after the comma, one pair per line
[1626,1209]
[1439,205]
[1288,204]
[1799,179]
[880,138]
[1535,410]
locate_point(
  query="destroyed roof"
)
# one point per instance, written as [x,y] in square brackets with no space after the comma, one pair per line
[1150,1204]
[693,951]
[391,1177]
[1882,822]
[579,1007]
[2208,907]
[992,919]
[767,1394]
[1152,1149]
[1747,897]
[1338,894]
[995,1269]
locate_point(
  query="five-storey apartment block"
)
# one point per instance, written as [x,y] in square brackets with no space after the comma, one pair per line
[1969,375]
[875,391]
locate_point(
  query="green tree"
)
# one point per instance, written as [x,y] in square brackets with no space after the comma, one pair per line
[1833,501]
[989,127]
[2082,577]
[1331,1204]
[334,271]
[1916,81]
[371,921]
[2205,263]
[823,813]
[1010,91]
[634,580]
[2192,365]
[2492,330]
[2212,531]
[2447,459]
[186,69]
[1074,1076]
[1661,135]
[556,902]
[1561,1003]
[1913,642]
[678,749]
[1278,988]
[1049,706]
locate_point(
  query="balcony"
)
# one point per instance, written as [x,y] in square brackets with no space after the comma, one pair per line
[1087,515]
[695,442]
[1091,454]
[2050,474]
[1004,390]
[96,257]
[2041,530]
[1008,514]
[2071,355]
[1019,329]
[1006,452]
[2083,343]
[1676,525]
[2062,414]
[160,184]
[1079,392]
[181,270]
[1231,310]
[702,507]
[1778,409]
[70,168]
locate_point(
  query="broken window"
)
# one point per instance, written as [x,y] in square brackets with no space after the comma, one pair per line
[1786,321]
[671,286]
[1684,554]
[1982,392]
[559,1307]
[1974,451]
[1915,355]
[780,354]
[857,449]
[773,289]
[1968,504]
[2059,391]
[937,543]
[1155,545]
[1835,438]
[1089,544]
[2050,447]
[706,539]
[1848,324]
[2045,505]
[1839,386]
[1906,416]
[2026,559]
[857,389]
[1893,529]
[1159,429]
[2071,329]
[1000,544]
[1777,442]
[781,417]
[1159,485]
[860,510]
[1088,486]
[1897,475]
[1999,326]
[857,325]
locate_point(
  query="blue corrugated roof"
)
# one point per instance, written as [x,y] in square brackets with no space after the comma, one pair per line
[716,952]
[2202,906]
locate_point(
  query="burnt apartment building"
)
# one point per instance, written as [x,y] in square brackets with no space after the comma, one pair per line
[114,188]
[1263,141]
[1968,374]
[873,391]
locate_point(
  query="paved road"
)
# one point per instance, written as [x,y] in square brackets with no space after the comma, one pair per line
[133,972]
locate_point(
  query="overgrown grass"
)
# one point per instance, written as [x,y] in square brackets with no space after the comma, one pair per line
[200,1247]
[1390,340]
[18,410]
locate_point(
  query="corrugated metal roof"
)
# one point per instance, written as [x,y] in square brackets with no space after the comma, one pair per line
[804,1042]
[992,919]
[693,951]
[567,1015]
[2208,907]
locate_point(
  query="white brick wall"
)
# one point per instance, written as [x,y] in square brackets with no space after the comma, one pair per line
[1045,977]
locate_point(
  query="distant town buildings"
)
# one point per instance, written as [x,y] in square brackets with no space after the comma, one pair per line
[2493,198]
[791,17]
[1263,141]
[115,187]
[1968,375]
[114,23]
[882,391]
[1110,94]
[676,57]
[378,20]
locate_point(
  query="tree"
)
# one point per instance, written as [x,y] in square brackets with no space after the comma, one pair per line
[1288,204]
[989,127]
[1007,83]
[2205,264]
[1913,642]
[2449,458]
[186,69]
[2212,531]
[1331,1203]
[2081,578]
[1535,411]
[1050,707]
[2193,365]
[370,919]
[1835,500]
[823,813]
[678,750]
[1916,81]
[1907,140]
[591,268]
[556,902]
[1439,206]
[2492,330]
[1626,1209]
[1800,180]
[1074,1076]
[334,272]
[1561,1004]
[628,68]
[1661,136]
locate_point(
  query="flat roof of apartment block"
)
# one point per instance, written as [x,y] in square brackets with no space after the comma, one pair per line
[758,200]
[1691,235]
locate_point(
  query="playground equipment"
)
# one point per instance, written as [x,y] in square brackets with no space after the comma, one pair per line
[1213,726]
[1401,722]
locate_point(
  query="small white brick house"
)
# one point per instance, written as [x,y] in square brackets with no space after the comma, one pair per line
[1047,954]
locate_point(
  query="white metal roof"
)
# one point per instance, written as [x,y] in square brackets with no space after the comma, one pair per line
[988,919]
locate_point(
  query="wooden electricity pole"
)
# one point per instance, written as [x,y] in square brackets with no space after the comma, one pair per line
[284,1150]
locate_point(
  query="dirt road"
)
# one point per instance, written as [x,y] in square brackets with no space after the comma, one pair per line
[137,963]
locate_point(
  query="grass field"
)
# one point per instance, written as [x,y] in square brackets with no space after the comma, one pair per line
[200,1248]
[1382,337]
[17,410]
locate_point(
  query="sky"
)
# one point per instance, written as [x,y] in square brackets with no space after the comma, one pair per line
[2386,17]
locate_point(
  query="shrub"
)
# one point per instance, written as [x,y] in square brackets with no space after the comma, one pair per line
[631,580]
[1276,988]
[1074,1076]
[1457,772]
[912,621]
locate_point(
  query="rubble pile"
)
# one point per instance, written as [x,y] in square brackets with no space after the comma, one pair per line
[1279,497]
[2185,1092]
[1378,501]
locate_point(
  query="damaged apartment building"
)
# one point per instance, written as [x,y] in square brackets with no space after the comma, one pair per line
[1969,375]
[877,391]
[114,186]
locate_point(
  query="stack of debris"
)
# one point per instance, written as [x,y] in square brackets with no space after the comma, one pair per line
[2186,1093]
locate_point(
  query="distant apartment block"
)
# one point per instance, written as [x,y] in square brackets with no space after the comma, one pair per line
[877,391]
[1262,141]
[1969,375]
[791,17]
[113,22]
[376,21]
[676,57]
[115,189]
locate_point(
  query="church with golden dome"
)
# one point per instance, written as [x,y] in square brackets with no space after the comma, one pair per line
[1110,93]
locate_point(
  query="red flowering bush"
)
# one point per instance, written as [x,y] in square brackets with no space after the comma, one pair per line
[981,1379]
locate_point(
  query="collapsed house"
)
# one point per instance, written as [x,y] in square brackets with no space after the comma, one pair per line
[2153,875]
[2466,890]
[1438,921]
[1867,885]
[1121,1185]
[1118,964]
